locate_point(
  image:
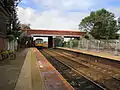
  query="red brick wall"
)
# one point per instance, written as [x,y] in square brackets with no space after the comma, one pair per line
[1,44]
[55,32]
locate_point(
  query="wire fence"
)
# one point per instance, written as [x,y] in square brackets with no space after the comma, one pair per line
[108,46]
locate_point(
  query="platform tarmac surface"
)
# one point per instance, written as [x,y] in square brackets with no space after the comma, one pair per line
[10,70]
[94,53]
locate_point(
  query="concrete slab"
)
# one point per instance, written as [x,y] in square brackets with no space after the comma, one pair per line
[37,80]
[30,78]
[24,80]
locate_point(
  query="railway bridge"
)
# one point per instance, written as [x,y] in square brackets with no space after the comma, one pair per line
[51,34]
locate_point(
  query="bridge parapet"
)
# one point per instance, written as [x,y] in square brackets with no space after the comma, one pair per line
[55,32]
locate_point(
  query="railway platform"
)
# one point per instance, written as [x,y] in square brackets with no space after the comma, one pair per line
[95,53]
[38,74]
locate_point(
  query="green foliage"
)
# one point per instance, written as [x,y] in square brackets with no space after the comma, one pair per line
[13,25]
[58,41]
[25,26]
[73,42]
[23,40]
[86,36]
[5,52]
[101,24]
[10,37]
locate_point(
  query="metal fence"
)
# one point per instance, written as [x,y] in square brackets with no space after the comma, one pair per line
[108,46]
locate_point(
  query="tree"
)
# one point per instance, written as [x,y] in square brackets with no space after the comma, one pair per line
[25,26]
[13,26]
[119,20]
[58,41]
[101,24]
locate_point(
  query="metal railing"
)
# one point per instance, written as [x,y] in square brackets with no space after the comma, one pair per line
[108,46]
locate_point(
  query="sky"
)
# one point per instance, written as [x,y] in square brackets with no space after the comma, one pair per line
[61,14]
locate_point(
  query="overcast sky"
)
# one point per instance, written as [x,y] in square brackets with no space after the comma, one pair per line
[61,14]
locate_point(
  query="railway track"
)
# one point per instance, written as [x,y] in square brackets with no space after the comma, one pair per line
[101,75]
[75,78]
[105,69]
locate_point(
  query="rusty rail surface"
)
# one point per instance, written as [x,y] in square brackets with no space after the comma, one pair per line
[73,68]
[101,74]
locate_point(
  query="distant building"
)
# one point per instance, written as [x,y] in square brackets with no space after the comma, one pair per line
[4,18]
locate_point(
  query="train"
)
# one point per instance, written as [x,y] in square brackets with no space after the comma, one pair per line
[39,43]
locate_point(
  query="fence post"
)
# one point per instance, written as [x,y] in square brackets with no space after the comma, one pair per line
[116,52]
[87,44]
[82,44]
[70,44]
[119,45]
[94,45]
[98,46]
[79,44]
